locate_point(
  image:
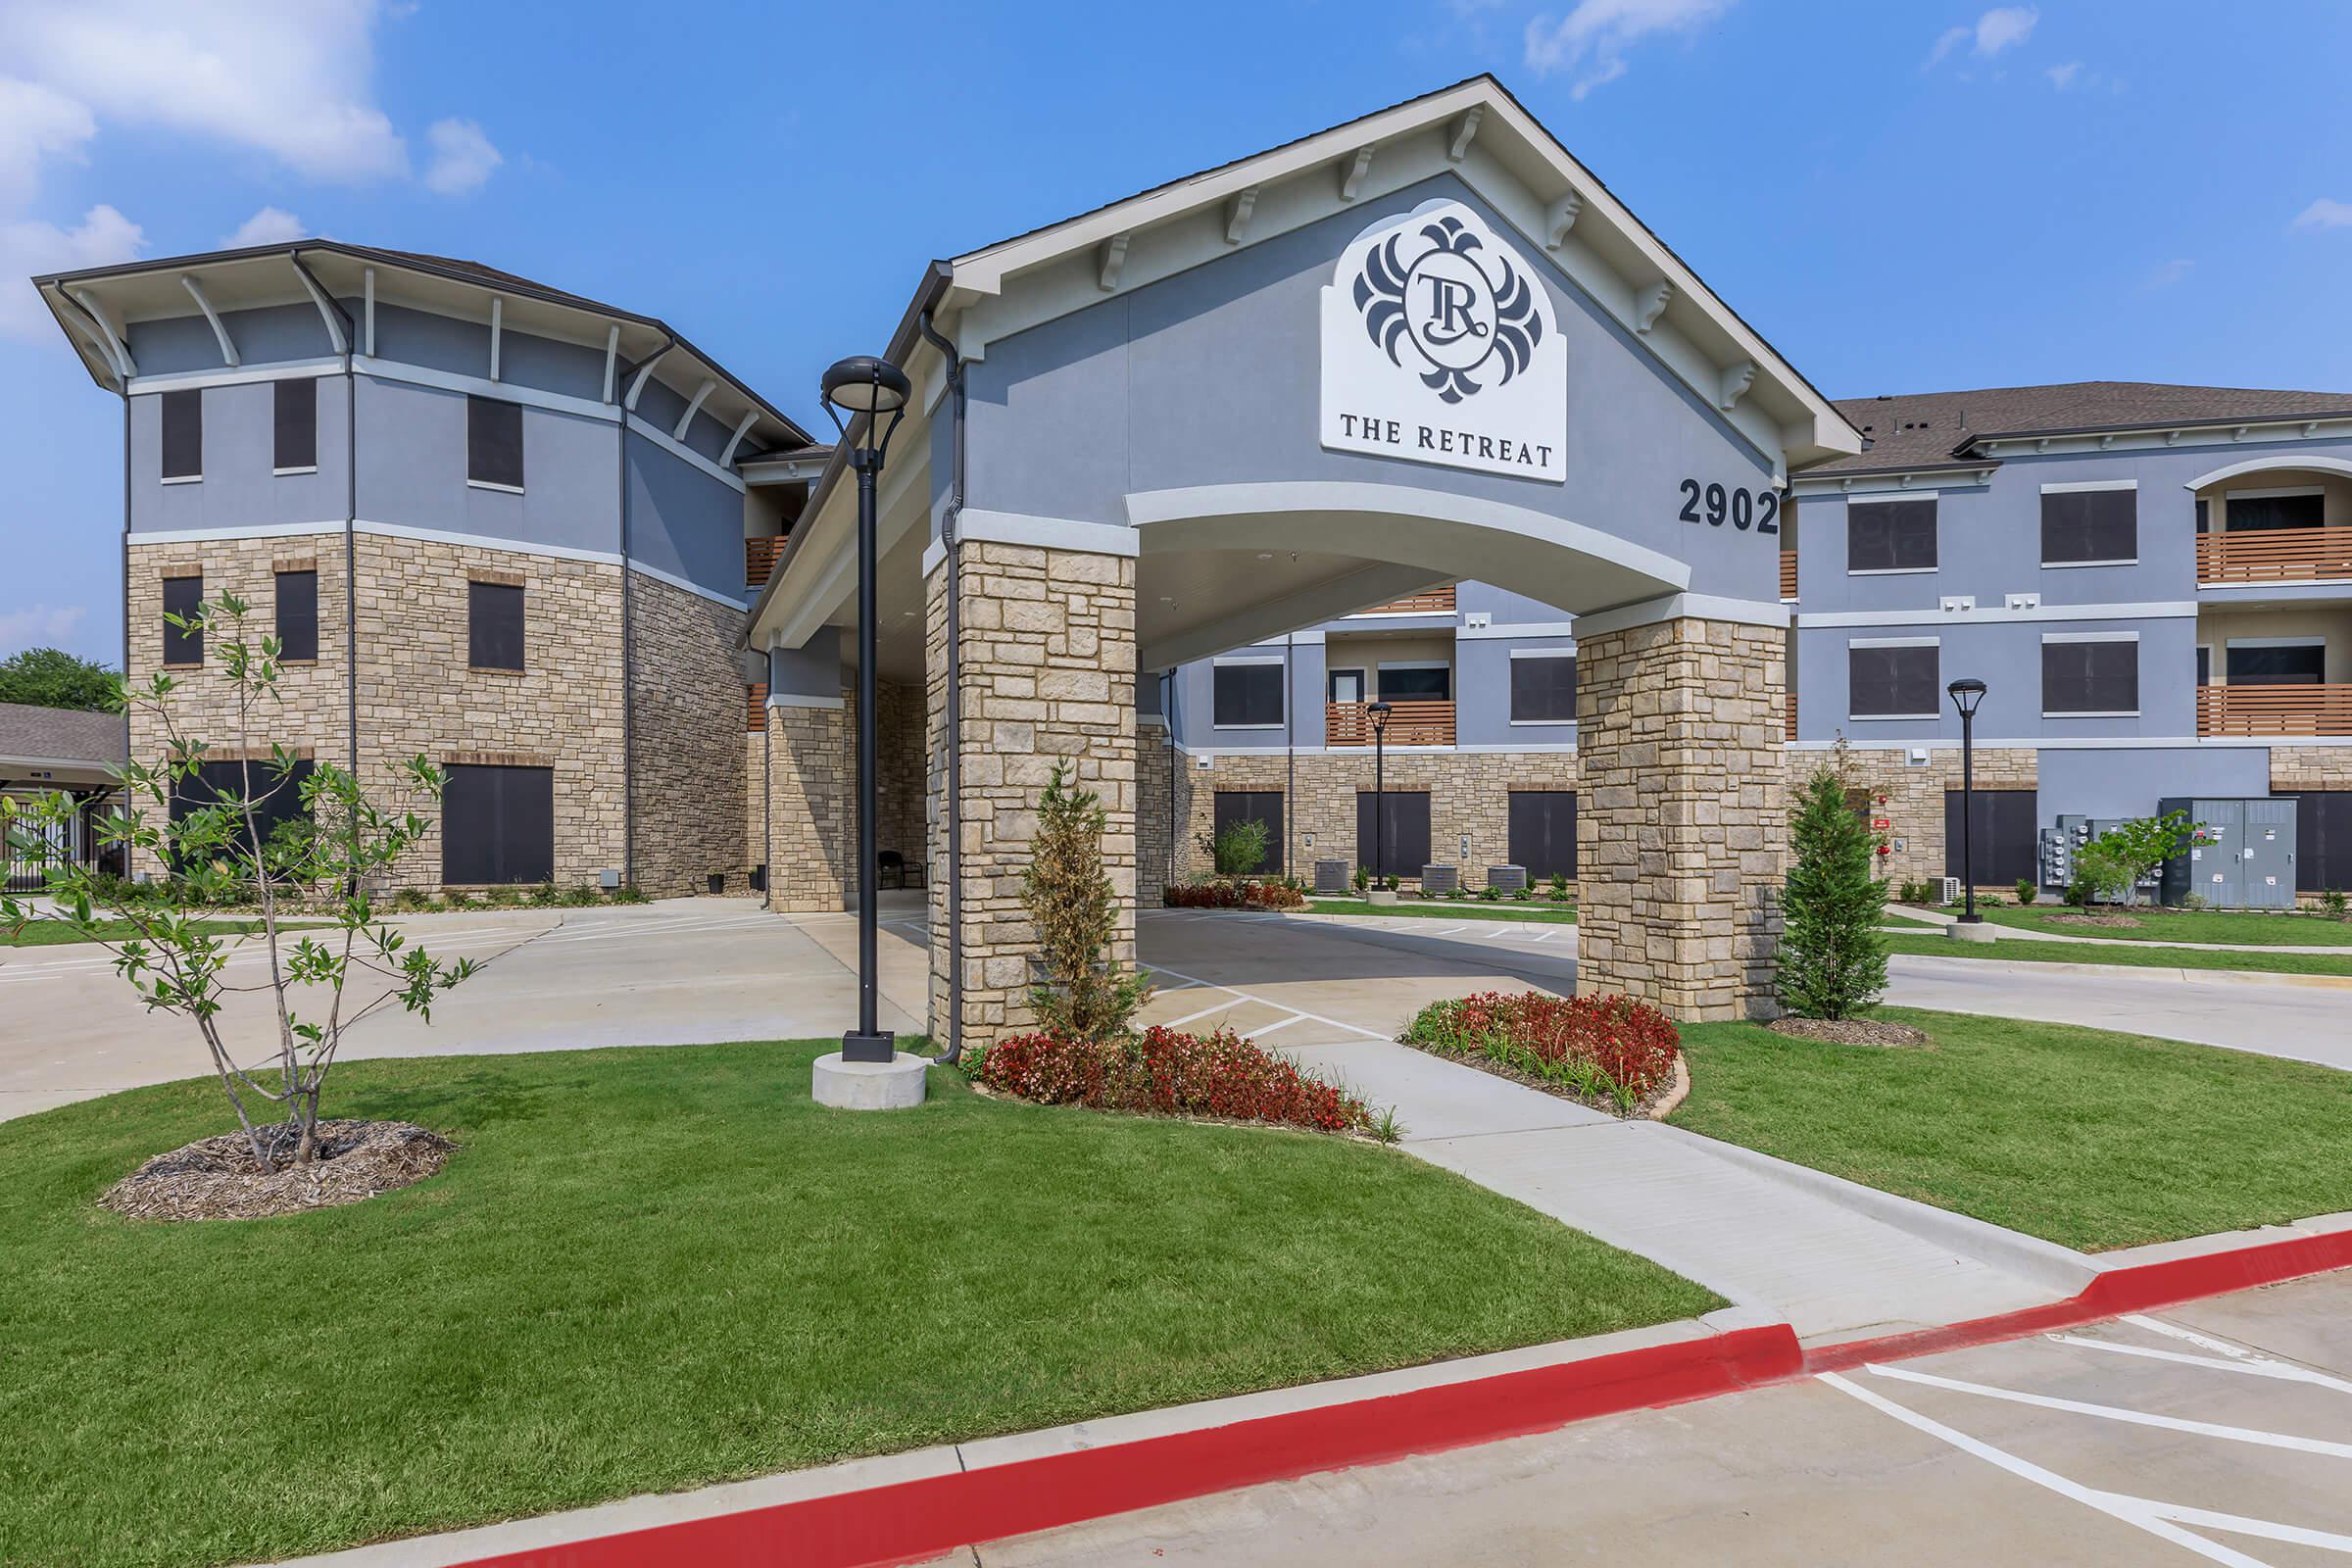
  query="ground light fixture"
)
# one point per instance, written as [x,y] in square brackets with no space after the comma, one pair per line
[1966,694]
[867,395]
[1378,712]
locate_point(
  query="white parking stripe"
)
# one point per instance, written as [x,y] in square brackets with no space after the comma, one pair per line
[1260,1034]
[1278,1007]
[2133,1511]
[2111,1412]
[2175,1331]
[2253,1366]
[1194,1017]
[2240,1524]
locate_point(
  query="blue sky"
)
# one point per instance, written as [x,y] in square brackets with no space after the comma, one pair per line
[1903,197]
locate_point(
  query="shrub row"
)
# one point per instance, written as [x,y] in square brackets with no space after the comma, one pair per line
[1166,1072]
[1612,1050]
[1234,895]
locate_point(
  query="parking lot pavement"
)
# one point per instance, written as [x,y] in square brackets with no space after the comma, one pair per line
[2216,1433]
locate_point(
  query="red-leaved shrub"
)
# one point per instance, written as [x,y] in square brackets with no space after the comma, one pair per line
[1167,1072]
[1611,1049]
[1233,896]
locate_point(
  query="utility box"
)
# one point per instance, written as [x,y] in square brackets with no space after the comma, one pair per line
[2242,856]
[1440,878]
[1333,876]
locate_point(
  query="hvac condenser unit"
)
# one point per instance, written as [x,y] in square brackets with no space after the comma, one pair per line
[2242,855]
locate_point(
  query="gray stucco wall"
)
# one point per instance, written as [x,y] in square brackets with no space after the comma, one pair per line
[683,520]
[2117,782]
[812,670]
[238,490]
[1482,690]
[1213,377]
[1195,705]
[269,334]
[412,471]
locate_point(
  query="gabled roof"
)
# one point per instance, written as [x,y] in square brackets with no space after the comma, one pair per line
[1914,432]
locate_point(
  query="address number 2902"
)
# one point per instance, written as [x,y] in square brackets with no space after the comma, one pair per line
[1759,510]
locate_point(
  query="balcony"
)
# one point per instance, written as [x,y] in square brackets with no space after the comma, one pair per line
[2274,710]
[1788,575]
[1414,723]
[754,697]
[759,559]
[1432,602]
[2273,555]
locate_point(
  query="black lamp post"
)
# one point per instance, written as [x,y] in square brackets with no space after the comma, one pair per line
[1966,695]
[866,386]
[1378,713]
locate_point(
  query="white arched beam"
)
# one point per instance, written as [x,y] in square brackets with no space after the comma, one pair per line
[2237,470]
[117,350]
[326,309]
[228,349]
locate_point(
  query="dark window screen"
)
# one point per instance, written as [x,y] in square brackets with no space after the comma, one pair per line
[494,441]
[494,625]
[2007,832]
[1403,835]
[1255,805]
[297,425]
[1246,693]
[276,800]
[1892,682]
[1889,535]
[1416,686]
[2090,677]
[2322,839]
[498,825]
[1542,824]
[2304,666]
[2257,513]
[2089,525]
[182,596]
[1544,690]
[298,615]
[183,434]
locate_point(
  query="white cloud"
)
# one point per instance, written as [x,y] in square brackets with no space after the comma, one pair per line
[271,226]
[2164,275]
[1996,29]
[41,626]
[1594,37]
[37,121]
[2325,213]
[30,248]
[463,157]
[2063,77]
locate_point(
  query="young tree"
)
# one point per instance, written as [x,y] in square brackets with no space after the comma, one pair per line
[1240,848]
[217,845]
[51,678]
[2113,864]
[1085,994]
[1832,955]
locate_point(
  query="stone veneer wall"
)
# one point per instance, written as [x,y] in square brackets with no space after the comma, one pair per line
[2311,767]
[311,712]
[686,760]
[562,711]
[1915,798]
[812,816]
[755,792]
[1154,839]
[1048,650]
[1682,821]
[899,749]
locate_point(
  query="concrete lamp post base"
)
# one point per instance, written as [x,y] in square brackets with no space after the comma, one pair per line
[1380,896]
[1963,931]
[892,1085]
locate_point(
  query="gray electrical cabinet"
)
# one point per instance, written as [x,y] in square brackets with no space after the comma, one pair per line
[2059,846]
[2242,856]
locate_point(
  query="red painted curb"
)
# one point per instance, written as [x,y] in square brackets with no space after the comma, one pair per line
[914,1519]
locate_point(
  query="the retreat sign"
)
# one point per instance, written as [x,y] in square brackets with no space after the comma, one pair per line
[1439,346]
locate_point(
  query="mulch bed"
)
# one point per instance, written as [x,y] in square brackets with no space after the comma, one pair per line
[1849,1031]
[214,1178]
[2109,922]
[1653,1108]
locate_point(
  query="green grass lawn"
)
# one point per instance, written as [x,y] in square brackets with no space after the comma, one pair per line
[2087,1137]
[49,933]
[2025,949]
[1536,908]
[2183,925]
[658,1268]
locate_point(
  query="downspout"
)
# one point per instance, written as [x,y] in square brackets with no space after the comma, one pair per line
[1290,759]
[955,693]
[629,629]
[351,510]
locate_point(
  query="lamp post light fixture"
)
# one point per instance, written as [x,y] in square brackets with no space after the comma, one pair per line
[1378,712]
[871,390]
[1966,694]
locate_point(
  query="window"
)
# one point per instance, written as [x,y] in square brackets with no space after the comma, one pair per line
[493,443]
[2278,662]
[296,426]
[2322,839]
[494,625]
[1544,689]
[1403,832]
[1247,695]
[1895,679]
[298,615]
[1543,829]
[2296,510]
[1255,805]
[1415,683]
[2085,527]
[1346,685]
[182,596]
[276,798]
[2090,675]
[2005,833]
[1890,535]
[184,435]
[498,825]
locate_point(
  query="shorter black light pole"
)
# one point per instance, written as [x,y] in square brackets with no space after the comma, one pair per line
[1378,713]
[1966,695]
[871,387]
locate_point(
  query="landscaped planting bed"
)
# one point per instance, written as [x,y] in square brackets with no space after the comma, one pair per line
[644,1270]
[1233,894]
[1542,911]
[2138,954]
[1612,1052]
[2144,924]
[1170,1073]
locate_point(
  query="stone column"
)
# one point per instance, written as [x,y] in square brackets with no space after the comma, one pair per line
[1048,677]
[811,809]
[1682,821]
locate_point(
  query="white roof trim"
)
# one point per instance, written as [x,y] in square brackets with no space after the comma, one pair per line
[2262,465]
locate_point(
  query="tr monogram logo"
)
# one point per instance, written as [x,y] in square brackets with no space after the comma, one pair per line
[1439,302]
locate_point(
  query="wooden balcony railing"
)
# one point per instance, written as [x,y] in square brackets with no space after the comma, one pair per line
[2274,710]
[1789,715]
[1788,575]
[755,698]
[2274,554]
[1431,602]
[759,559]
[1418,723]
